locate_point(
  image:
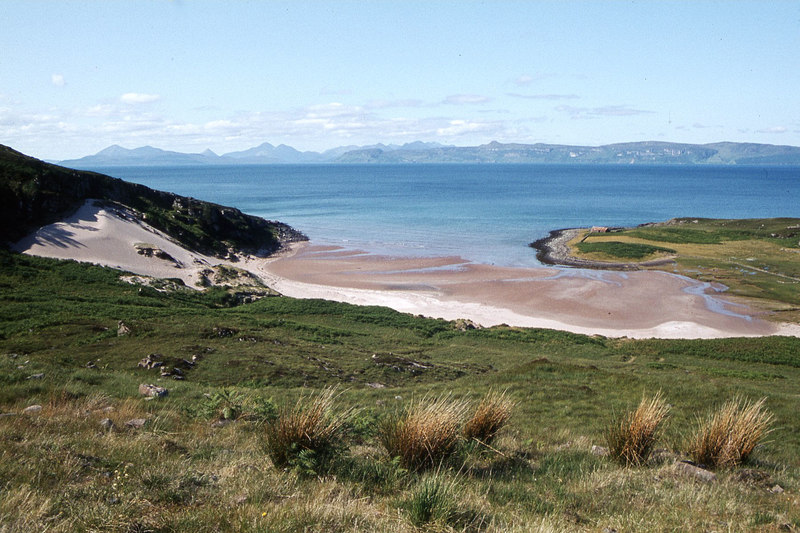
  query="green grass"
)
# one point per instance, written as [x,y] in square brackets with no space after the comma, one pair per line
[622,250]
[62,471]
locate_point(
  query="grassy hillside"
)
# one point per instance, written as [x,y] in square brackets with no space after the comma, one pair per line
[65,468]
[34,193]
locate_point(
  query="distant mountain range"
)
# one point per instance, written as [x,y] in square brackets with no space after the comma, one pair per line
[648,152]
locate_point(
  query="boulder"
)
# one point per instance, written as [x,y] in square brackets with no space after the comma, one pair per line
[696,472]
[151,361]
[107,424]
[599,451]
[136,423]
[152,391]
[122,329]
[32,410]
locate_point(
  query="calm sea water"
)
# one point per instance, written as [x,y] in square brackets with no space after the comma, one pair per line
[485,213]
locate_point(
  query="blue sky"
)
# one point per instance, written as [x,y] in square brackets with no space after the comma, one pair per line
[78,76]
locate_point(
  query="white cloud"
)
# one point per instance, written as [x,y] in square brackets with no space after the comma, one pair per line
[774,129]
[58,80]
[138,98]
[602,111]
[466,99]
[524,80]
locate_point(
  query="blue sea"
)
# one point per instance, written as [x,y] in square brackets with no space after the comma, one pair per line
[485,213]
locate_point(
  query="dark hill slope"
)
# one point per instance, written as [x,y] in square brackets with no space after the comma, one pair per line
[34,193]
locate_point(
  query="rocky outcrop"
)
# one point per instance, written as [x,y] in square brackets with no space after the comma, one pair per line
[152,391]
[34,193]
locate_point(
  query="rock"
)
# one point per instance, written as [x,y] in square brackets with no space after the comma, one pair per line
[599,451]
[122,329]
[153,391]
[777,489]
[240,500]
[464,324]
[136,423]
[376,385]
[107,424]
[32,409]
[91,364]
[696,472]
[40,375]
[221,423]
[151,361]
[7,415]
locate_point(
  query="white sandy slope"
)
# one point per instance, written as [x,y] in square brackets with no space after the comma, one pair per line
[107,236]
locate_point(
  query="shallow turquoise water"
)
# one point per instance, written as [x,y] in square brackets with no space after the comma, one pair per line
[485,213]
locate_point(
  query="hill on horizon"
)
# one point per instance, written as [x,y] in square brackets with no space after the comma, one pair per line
[644,152]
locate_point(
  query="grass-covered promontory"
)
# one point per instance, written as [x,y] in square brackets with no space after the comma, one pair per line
[201,459]
[757,259]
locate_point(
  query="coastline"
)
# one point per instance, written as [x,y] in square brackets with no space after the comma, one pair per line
[553,250]
[644,304]
[637,304]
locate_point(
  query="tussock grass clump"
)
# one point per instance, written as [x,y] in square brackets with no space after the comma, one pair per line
[631,437]
[729,435]
[425,434]
[306,435]
[433,499]
[489,417]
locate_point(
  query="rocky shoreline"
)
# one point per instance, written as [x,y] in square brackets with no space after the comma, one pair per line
[554,250]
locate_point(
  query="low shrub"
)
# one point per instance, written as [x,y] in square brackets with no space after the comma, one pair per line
[306,436]
[489,417]
[425,434]
[729,435]
[631,437]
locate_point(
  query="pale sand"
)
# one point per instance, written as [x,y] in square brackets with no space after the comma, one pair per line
[640,304]
[107,236]
[636,304]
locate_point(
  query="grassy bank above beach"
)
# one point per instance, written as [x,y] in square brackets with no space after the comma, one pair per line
[757,259]
[72,335]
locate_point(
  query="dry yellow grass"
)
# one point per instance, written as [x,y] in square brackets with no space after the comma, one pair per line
[309,426]
[729,435]
[491,414]
[631,437]
[426,433]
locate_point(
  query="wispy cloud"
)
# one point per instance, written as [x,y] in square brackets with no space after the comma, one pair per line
[58,80]
[138,98]
[388,104]
[774,129]
[526,79]
[603,111]
[466,99]
[544,96]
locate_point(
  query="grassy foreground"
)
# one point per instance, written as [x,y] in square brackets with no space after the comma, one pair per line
[200,462]
[758,259]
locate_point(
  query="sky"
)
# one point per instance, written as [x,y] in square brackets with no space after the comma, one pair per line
[191,75]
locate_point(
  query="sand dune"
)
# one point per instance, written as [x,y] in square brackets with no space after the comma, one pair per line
[634,304]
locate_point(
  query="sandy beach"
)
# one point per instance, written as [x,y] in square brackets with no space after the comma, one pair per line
[640,304]
[632,304]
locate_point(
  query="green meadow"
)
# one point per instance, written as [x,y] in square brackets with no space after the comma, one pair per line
[202,461]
